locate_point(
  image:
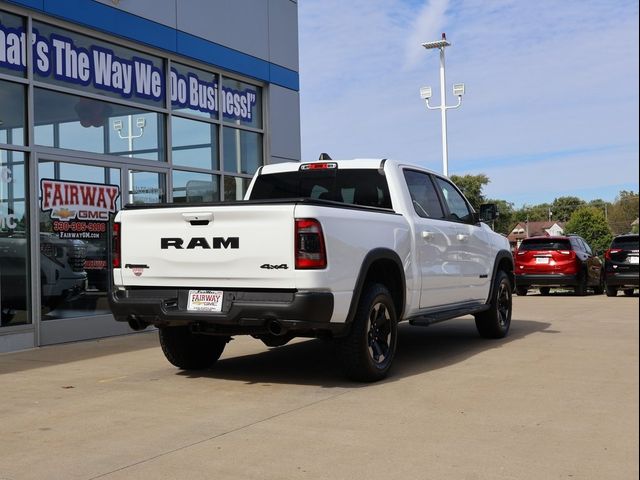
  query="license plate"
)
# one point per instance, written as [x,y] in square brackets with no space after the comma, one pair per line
[542,259]
[205,301]
[633,259]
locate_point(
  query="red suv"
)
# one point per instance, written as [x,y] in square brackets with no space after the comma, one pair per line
[546,262]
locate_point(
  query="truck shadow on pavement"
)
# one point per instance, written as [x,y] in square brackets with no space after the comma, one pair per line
[314,362]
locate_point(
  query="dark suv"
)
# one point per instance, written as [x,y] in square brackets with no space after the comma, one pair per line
[621,265]
[567,261]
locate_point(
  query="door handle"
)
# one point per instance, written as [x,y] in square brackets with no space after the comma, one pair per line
[462,237]
[197,218]
[427,235]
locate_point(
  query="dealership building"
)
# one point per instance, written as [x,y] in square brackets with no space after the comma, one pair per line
[109,102]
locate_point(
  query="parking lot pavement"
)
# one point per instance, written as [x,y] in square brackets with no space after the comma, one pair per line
[558,399]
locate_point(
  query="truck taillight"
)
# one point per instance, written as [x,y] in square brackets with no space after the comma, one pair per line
[115,245]
[309,241]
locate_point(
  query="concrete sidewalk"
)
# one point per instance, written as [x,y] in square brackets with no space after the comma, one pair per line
[557,399]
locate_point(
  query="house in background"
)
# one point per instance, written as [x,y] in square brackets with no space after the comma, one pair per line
[534,229]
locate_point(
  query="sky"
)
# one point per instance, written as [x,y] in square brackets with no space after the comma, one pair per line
[551,90]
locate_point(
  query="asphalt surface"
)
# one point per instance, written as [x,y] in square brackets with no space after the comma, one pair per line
[557,399]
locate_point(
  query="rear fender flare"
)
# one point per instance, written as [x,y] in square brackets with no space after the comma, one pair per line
[369,260]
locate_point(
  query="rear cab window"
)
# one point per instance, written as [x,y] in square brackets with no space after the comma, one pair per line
[357,186]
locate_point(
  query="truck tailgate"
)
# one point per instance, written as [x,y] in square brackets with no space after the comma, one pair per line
[233,246]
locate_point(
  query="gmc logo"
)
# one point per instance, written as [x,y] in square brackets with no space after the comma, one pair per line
[200,242]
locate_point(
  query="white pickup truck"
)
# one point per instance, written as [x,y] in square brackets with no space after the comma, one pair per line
[342,250]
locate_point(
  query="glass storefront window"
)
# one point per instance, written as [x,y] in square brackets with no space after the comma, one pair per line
[14,240]
[191,187]
[194,144]
[194,91]
[12,116]
[242,151]
[77,123]
[146,187]
[76,204]
[68,59]
[12,53]
[241,103]
[235,188]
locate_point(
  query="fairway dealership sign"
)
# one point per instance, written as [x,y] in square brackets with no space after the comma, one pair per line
[58,57]
[78,210]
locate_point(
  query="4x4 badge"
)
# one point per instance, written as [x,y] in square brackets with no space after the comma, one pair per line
[268,266]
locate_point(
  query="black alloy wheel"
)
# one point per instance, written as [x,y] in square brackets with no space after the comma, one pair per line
[379,334]
[367,351]
[495,322]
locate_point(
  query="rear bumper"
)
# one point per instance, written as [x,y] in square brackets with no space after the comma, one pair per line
[546,280]
[622,279]
[299,313]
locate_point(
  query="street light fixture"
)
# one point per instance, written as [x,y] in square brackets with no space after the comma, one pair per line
[425,94]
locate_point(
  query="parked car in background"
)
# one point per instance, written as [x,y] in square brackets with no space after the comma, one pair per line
[62,274]
[561,261]
[621,265]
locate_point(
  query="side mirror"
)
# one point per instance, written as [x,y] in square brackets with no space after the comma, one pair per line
[488,212]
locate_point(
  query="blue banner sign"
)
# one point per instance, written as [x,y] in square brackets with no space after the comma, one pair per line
[57,56]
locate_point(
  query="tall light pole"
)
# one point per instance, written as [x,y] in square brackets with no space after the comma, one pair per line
[425,94]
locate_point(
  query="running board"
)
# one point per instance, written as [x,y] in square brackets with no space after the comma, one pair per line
[441,316]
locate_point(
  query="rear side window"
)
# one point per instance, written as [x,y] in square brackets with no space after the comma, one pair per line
[626,243]
[366,187]
[544,244]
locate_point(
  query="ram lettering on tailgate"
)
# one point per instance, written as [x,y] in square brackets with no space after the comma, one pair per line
[200,242]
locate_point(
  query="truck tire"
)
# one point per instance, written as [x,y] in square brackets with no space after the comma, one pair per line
[628,292]
[495,322]
[190,351]
[544,290]
[521,291]
[611,291]
[367,352]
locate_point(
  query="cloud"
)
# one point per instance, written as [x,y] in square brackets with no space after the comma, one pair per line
[427,26]
[542,78]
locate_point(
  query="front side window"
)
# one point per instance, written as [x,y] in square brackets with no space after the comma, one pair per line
[423,194]
[458,208]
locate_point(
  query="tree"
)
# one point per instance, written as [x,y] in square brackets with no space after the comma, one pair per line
[533,213]
[590,224]
[623,212]
[563,207]
[505,221]
[471,186]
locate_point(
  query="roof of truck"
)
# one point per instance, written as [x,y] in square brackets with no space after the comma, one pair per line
[353,163]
